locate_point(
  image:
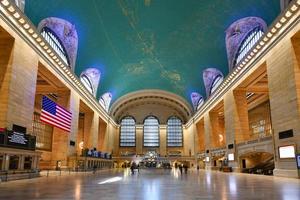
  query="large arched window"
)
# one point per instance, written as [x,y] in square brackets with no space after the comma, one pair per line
[55,43]
[127,132]
[151,132]
[174,132]
[247,44]
[200,103]
[105,100]
[87,83]
[216,82]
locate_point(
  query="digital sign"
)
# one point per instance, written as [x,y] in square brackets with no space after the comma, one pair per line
[287,151]
[15,139]
[231,157]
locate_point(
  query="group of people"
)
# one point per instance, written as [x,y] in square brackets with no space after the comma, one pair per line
[181,167]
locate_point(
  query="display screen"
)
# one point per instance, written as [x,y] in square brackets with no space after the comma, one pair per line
[287,151]
[231,157]
[207,159]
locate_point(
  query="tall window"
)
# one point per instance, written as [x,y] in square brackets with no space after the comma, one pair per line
[151,132]
[174,132]
[43,133]
[127,132]
[200,103]
[218,80]
[55,43]
[87,83]
[248,43]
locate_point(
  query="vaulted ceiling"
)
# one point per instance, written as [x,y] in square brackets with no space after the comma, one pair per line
[151,44]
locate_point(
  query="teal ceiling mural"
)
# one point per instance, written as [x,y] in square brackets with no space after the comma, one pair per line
[151,44]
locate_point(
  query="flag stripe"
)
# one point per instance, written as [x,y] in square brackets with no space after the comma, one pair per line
[63,114]
[53,118]
[55,115]
[54,124]
[62,110]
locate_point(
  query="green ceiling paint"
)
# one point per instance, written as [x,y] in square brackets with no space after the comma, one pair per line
[151,44]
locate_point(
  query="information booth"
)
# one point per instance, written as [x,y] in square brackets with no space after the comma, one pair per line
[18,158]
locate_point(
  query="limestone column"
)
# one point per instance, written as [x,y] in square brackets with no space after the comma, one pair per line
[74,108]
[208,144]
[61,148]
[163,140]
[94,132]
[284,89]
[236,122]
[215,130]
[18,84]
[139,139]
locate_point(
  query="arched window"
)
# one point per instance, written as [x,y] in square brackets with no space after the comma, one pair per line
[200,103]
[216,82]
[247,44]
[87,83]
[151,132]
[105,100]
[174,132]
[127,132]
[55,43]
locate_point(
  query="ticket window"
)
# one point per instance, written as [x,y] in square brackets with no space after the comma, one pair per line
[1,162]
[28,162]
[13,162]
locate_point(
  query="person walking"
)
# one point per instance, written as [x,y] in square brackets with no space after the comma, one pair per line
[180,168]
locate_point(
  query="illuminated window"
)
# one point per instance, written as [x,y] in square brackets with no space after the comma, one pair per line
[127,132]
[200,103]
[217,81]
[55,43]
[151,132]
[248,43]
[174,132]
[105,100]
[87,83]
[43,133]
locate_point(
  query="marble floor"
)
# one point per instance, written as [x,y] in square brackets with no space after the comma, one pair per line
[152,185]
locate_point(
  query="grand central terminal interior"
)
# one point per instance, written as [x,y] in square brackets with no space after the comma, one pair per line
[150,99]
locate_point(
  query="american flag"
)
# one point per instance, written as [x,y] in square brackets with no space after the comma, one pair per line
[55,115]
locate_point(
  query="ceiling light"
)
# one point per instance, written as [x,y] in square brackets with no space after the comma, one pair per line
[294,8]
[5,2]
[34,35]
[26,26]
[283,19]
[278,25]
[17,15]
[21,20]
[288,14]
[11,9]
[273,30]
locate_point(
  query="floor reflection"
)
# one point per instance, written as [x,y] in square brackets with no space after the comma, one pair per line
[153,184]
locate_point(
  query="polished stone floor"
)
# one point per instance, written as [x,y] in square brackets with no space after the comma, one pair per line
[153,184]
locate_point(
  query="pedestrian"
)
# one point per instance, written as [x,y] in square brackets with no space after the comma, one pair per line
[94,169]
[180,168]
